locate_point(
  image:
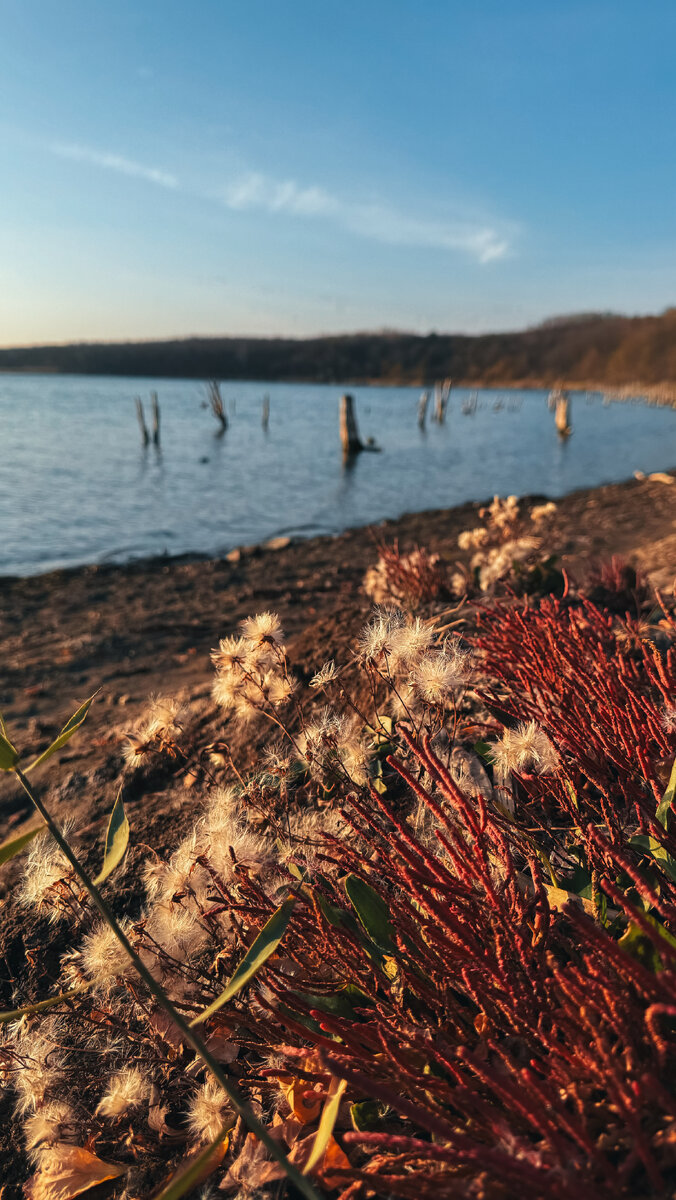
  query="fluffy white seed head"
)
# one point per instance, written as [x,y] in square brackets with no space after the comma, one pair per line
[209,1110]
[526,748]
[54,1121]
[438,675]
[126,1090]
[102,958]
[45,868]
[378,639]
[264,628]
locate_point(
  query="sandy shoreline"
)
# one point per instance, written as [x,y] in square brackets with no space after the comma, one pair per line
[146,627]
[102,613]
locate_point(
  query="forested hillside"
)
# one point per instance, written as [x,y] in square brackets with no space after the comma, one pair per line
[589,348]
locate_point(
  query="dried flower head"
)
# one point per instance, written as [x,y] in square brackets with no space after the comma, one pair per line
[378,639]
[525,748]
[54,1121]
[45,870]
[438,675]
[127,1089]
[231,652]
[263,629]
[101,956]
[208,1112]
[326,675]
[542,512]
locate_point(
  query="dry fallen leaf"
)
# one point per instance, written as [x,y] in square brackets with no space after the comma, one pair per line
[252,1168]
[334,1158]
[67,1171]
[295,1091]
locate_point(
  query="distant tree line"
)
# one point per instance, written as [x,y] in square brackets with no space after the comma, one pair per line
[585,348]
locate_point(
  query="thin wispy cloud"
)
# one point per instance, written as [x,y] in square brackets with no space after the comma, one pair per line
[378,221]
[114,162]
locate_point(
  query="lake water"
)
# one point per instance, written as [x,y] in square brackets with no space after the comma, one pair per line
[76,485]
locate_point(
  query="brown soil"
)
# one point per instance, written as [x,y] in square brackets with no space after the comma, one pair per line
[147,628]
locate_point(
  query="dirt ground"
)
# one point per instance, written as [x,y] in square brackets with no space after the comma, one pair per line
[146,629]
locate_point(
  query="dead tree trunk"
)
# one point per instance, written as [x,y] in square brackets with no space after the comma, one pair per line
[349,434]
[142,423]
[562,414]
[216,401]
[154,404]
[438,404]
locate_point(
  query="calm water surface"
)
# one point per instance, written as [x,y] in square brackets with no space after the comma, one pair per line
[76,486]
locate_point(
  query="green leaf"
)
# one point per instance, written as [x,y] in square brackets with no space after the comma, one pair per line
[371,910]
[664,807]
[13,845]
[66,734]
[484,751]
[258,953]
[117,839]
[650,845]
[337,1004]
[185,1179]
[367,1114]
[327,1123]
[581,883]
[8,754]
[41,1005]
[336,916]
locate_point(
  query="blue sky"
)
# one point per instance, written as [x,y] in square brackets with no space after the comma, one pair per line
[308,166]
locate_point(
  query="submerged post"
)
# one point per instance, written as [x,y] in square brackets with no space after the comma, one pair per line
[142,423]
[265,419]
[422,409]
[349,434]
[439,404]
[561,417]
[156,417]
[216,401]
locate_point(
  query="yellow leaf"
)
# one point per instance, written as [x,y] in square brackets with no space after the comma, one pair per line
[294,1090]
[67,1172]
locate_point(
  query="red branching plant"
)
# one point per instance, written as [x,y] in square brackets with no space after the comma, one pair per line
[491,971]
[511,1050]
[408,580]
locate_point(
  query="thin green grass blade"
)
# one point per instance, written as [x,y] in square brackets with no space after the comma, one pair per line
[42,1005]
[117,840]
[258,953]
[66,734]
[14,845]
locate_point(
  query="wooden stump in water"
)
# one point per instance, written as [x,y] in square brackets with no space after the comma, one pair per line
[265,419]
[145,436]
[561,417]
[349,434]
[422,409]
[216,402]
[154,404]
